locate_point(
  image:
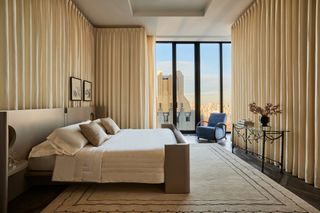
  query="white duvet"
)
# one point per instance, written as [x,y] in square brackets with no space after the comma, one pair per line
[129,156]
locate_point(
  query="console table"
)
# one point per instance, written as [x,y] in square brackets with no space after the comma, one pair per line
[263,135]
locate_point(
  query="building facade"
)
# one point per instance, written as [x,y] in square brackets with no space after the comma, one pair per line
[185,114]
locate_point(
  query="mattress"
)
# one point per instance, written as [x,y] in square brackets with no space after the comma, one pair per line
[132,155]
[45,163]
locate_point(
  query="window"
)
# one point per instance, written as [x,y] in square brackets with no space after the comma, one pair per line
[188,115]
[164,83]
[210,79]
[165,117]
[185,86]
[194,80]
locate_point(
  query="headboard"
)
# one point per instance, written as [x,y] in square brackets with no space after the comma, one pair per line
[101,112]
[78,114]
[32,127]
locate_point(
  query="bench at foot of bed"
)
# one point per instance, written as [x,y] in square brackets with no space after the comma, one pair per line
[177,164]
[177,172]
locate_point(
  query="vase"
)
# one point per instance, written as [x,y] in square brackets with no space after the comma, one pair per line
[264,120]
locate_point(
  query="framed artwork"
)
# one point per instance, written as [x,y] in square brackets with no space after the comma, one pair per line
[75,89]
[87,91]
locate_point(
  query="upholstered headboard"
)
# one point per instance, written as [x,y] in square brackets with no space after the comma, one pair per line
[76,115]
[101,112]
[31,127]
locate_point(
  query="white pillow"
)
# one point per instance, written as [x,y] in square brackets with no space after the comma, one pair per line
[43,149]
[68,140]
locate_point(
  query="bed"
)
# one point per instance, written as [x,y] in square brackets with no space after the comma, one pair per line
[168,163]
[132,155]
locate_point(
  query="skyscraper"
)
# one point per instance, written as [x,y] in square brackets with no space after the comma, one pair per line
[185,116]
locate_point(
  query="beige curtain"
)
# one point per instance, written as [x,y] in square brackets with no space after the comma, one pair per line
[42,44]
[151,43]
[122,75]
[276,59]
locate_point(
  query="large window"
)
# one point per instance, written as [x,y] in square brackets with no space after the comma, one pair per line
[164,83]
[185,79]
[209,79]
[194,80]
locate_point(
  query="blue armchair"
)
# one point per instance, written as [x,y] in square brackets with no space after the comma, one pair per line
[216,129]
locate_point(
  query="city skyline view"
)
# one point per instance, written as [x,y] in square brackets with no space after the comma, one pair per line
[209,78]
[210,69]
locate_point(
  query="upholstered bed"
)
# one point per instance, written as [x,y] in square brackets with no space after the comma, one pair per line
[157,156]
[45,163]
[132,155]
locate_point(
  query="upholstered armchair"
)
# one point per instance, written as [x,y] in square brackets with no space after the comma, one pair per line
[215,129]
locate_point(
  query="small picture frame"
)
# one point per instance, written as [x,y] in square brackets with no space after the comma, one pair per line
[87,90]
[75,89]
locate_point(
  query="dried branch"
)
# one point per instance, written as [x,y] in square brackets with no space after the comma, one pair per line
[268,109]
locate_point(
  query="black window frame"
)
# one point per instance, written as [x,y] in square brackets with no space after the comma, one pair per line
[197,74]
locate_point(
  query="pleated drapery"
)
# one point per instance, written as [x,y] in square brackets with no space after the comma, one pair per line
[276,46]
[42,44]
[122,75]
[151,44]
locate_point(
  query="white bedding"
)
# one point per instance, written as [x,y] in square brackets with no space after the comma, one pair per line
[43,149]
[129,156]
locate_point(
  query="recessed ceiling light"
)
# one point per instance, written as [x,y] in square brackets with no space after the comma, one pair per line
[169,7]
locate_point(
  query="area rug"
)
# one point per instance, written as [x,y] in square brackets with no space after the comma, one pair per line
[220,182]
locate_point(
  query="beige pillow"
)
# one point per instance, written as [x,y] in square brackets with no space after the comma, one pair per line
[179,136]
[94,133]
[98,121]
[111,127]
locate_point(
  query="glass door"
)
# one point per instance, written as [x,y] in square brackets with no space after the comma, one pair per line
[193,80]
[164,98]
[185,87]
[210,79]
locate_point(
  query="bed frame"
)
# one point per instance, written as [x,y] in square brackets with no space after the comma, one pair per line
[33,126]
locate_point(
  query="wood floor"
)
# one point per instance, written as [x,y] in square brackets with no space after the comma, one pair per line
[38,197]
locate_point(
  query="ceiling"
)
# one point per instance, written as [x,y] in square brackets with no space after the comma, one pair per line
[199,20]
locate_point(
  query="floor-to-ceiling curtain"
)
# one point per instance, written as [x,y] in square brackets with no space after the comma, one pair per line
[276,59]
[122,75]
[151,44]
[42,44]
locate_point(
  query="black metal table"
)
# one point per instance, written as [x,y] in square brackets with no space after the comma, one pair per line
[264,134]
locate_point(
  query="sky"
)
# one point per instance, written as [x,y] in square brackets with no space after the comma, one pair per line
[209,66]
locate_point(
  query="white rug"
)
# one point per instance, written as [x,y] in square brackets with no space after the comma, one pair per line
[220,182]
